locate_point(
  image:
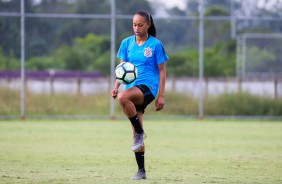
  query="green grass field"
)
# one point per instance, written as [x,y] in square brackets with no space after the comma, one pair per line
[178,151]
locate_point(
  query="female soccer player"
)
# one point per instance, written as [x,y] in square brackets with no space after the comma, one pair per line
[148,55]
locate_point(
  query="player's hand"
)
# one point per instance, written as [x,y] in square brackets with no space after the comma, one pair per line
[114,93]
[159,103]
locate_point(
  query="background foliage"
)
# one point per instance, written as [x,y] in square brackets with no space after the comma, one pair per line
[84,44]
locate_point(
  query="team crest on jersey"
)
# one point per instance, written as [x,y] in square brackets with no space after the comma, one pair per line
[148,52]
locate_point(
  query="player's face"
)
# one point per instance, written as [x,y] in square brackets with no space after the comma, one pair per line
[140,26]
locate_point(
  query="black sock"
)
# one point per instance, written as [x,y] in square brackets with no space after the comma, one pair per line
[136,124]
[140,160]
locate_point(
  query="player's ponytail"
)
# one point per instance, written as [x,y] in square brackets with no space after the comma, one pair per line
[152,29]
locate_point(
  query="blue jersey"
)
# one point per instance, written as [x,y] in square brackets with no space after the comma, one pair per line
[146,58]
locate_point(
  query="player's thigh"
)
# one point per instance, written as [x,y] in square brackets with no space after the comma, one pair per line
[133,94]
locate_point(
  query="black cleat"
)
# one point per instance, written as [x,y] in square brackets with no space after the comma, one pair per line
[140,175]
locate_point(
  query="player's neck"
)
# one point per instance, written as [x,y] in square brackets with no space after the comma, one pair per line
[140,40]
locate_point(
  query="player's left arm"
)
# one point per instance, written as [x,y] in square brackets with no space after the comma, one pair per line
[160,101]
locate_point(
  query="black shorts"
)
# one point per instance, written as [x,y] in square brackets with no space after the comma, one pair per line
[148,98]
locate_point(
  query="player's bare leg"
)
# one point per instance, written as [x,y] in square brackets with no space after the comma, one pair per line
[128,98]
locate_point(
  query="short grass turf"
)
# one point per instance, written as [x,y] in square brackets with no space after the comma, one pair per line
[177,151]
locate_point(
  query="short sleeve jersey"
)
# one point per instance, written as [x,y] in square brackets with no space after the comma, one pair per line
[146,58]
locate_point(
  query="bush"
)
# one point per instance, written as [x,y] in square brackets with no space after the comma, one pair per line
[243,104]
[175,104]
[8,62]
[219,60]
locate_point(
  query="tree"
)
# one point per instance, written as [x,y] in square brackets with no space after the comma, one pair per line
[216,31]
[85,54]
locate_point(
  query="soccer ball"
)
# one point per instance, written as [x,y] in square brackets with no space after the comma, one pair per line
[126,73]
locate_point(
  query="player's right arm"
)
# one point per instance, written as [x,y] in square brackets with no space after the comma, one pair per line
[114,92]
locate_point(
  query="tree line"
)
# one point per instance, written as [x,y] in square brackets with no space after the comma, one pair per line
[84,44]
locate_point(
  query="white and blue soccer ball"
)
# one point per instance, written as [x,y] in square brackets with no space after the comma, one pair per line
[126,73]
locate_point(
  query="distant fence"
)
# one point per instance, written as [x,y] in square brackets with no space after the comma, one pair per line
[49,74]
[217,86]
[52,81]
[76,82]
[259,55]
